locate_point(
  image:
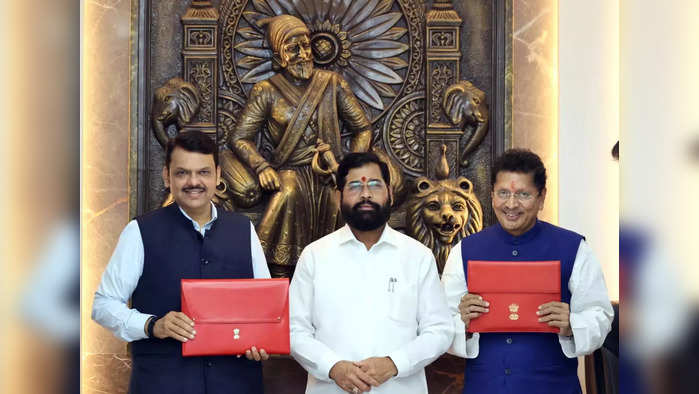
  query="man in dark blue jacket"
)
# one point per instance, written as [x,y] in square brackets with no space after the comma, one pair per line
[531,363]
[190,239]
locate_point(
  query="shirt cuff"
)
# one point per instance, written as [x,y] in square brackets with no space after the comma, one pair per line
[326,364]
[462,346]
[567,345]
[472,346]
[400,359]
[136,326]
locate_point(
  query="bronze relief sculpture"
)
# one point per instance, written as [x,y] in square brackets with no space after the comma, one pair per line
[441,212]
[298,106]
[174,103]
[402,60]
[288,87]
[465,106]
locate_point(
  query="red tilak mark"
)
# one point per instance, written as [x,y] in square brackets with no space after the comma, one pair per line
[512,185]
[363,179]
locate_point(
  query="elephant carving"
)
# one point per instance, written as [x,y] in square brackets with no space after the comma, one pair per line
[465,106]
[176,102]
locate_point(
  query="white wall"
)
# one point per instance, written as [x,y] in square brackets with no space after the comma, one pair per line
[659,113]
[588,66]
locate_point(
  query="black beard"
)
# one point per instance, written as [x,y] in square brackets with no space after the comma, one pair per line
[366,220]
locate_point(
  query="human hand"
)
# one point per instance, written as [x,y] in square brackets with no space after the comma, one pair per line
[556,314]
[350,377]
[321,146]
[253,354]
[269,179]
[472,306]
[174,325]
[379,368]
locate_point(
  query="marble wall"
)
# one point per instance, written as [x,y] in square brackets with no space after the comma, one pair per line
[535,88]
[106,89]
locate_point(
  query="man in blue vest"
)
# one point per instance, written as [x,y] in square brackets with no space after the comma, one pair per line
[532,363]
[190,239]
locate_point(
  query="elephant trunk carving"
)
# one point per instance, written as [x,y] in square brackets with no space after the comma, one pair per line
[175,102]
[465,106]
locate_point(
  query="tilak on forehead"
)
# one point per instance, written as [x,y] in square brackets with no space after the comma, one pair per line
[363,179]
[280,28]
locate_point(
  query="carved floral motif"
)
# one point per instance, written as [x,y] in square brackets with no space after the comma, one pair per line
[404,133]
[442,75]
[443,39]
[201,75]
[201,38]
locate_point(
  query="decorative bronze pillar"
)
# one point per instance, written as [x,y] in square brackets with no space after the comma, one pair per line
[199,51]
[443,55]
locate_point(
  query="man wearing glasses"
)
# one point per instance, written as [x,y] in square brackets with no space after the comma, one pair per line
[542,363]
[367,309]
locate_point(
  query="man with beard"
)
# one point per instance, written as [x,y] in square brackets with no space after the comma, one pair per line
[190,239]
[299,106]
[514,363]
[367,310]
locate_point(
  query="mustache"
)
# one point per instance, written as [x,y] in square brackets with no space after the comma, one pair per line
[197,187]
[301,62]
[374,205]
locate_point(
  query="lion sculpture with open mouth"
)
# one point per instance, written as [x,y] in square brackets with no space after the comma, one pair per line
[441,213]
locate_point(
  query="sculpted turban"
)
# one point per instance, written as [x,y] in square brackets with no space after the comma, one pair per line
[281,28]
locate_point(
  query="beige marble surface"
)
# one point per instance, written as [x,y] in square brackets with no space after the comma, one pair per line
[105,108]
[535,88]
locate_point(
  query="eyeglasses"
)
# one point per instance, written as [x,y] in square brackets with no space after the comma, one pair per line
[505,195]
[355,187]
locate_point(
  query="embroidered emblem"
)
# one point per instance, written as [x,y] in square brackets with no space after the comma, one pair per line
[514,308]
[235,333]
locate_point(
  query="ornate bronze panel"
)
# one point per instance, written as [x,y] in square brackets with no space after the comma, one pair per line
[398,56]
[426,74]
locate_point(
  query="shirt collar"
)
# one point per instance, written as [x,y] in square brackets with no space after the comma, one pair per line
[207,225]
[389,236]
[516,240]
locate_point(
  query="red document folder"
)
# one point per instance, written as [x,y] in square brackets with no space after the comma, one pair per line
[232,315]
[514,289]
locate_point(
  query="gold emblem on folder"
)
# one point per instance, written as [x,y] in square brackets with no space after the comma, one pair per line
[235,333]
[514,308]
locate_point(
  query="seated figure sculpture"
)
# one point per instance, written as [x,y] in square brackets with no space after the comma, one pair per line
[301,108]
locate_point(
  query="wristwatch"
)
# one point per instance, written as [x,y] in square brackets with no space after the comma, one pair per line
[151,324]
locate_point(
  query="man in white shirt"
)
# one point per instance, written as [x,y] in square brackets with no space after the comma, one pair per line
[189,239]
[367,309]
[514,363]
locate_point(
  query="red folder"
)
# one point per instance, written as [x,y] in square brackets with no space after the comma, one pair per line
[232,315]
[514,289]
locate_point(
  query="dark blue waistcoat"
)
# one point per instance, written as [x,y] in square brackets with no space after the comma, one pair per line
[514,363]
[174,250]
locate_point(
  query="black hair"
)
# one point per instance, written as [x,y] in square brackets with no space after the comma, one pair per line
[359,159]
[522,161]
[191,141]
[615,151]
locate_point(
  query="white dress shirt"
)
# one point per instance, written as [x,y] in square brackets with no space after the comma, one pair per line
[350,303]
[121,276]
[591,311]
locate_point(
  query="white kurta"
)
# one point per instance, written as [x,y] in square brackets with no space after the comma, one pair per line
[591,312]
[350,303]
